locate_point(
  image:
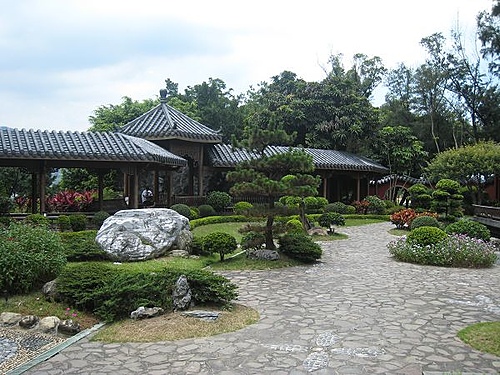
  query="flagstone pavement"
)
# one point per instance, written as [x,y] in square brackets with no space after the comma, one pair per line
[357,312]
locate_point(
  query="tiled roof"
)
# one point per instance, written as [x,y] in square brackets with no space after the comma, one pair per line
[84,146]
[165,122]
[401,179]
[221,155]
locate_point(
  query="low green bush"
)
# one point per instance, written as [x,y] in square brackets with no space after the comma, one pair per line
[338,207]
[453,251]
[29,256]
[253,240]
[206,210]
[78,222]
[37,220]
[81,246]
[63,223]
[294,225]
[5,221]
[375,205]
[331,218]
[194,213]
[182,209]
[217,219]
[196,246]
[219,200]
[424,221]
[300,246]
[424,236]
[99,218]
[219,242]
[315,203]
[469,228]
[242,208]
[112,293]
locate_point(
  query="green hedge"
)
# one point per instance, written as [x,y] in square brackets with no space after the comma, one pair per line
[81,246]
[218,219]
[113,292]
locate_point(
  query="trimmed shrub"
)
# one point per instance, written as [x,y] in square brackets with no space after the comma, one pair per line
[217,219]
[206,210]
[424,236]
[5,221]
[113,293]
[196,246]
[242,208]
[194,213]
[64,223]
[78,222]
[469,228]
[29,257]
[37,220]
[420,196]
[331,218]
[315,203]
[252,241]
[453,251]
[338,207]
[81,246]
[219,242]
[99,218]
[294,225]
[219,200]
[375,205]
[182,209]
[300,246]
[424,221]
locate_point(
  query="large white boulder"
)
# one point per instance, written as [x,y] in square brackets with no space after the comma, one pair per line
[131,235]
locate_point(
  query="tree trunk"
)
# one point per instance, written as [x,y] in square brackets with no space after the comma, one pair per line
[269,233]
[302,215]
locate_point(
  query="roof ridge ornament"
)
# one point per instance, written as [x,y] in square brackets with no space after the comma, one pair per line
[163,95]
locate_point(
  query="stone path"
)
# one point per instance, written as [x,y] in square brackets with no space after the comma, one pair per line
[358,312]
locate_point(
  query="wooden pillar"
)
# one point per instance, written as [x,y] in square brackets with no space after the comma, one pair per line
[34,192]
[156,185]
[358,188]
[200,173]
[100,189]
[43,182]
[325,186]
[134,189]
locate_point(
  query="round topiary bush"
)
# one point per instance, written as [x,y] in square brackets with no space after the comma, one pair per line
[469,228]
[424,221]
[294,225]
[63,223]
[242,208]
[29,256]
[182,209]
[331,218]
[424,236]
[375,205]
[37,220]
[206,210]
[338,207]
[300,246]
[219,200]
[78,222]
[219,242]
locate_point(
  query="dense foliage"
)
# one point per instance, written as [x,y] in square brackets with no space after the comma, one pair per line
[452,251]
[29,256]
[182,209]
[300,246]
[469,228]
[424,236]
[424,221]
[81,246]
[219,200]
[112,293]
[219,242]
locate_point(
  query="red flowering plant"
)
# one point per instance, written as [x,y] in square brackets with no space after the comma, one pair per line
[361,206]
[402,219]
[69,200]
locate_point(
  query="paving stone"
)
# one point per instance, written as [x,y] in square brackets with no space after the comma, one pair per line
[368,315]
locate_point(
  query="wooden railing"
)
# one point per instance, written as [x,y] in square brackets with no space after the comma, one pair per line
[489,216]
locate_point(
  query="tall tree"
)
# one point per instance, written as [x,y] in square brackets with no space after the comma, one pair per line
[112,117]
[273,176]
[489,34]
[470,165]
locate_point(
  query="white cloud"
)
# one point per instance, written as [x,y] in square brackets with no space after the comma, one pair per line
[63,59]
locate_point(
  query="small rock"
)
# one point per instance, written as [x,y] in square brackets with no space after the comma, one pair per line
[49,290]
[69,327]
[10,318]
[181,294]
[29,321]
[264,254]
[49,324]
[146,312]
[208,316]
[317,231]
[179,253]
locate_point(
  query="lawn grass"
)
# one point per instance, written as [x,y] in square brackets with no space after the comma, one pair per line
[484,337]
[174,326]
[231,228]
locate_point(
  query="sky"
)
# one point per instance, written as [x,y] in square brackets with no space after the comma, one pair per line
[62,59]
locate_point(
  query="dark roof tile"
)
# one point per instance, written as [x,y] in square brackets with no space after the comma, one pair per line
[221,155]
[85,146]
